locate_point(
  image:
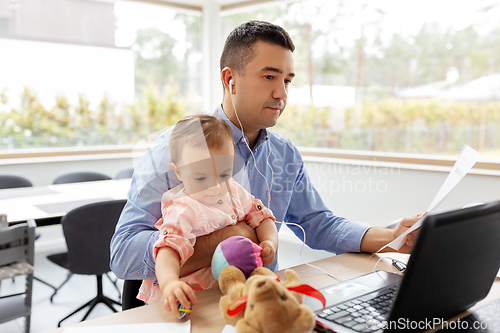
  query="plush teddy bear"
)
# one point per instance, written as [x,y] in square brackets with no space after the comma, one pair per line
[263,304]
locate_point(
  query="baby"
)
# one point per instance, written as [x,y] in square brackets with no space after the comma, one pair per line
[202,156]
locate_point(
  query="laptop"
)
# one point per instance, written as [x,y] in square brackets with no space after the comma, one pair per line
[452,266]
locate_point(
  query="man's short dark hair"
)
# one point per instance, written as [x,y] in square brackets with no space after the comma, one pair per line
[238,49]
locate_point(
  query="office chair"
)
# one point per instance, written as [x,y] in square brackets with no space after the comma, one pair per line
[16,181]
[129,294]
[88,231]
[17,258]
[74,177]
[11,180]
[125,173]
[79,177]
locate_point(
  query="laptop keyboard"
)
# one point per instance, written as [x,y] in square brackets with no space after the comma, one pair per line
[364,314]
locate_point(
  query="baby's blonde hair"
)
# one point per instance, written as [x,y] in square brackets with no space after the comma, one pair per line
[216,132]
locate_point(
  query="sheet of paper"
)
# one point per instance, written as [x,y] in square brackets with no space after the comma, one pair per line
[466,160]
[184,327]
[468,157]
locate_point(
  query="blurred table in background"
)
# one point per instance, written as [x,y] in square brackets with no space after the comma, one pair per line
[47,204]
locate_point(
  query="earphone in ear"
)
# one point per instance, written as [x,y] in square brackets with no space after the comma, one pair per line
[231,84]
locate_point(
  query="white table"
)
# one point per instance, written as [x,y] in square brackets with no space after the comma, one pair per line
[43,202]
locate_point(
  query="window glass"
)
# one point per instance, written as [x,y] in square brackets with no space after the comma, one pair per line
[81,73]
[389,75]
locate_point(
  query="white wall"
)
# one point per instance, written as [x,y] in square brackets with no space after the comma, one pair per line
[379,195]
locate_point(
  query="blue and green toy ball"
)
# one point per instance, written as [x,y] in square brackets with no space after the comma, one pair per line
[236,251]
[183,311]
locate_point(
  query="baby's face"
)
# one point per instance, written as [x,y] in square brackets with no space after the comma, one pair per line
[205,174]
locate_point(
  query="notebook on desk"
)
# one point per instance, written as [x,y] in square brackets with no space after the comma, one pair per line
[453,265]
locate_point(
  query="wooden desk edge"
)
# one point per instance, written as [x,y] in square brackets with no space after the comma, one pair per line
[344,267]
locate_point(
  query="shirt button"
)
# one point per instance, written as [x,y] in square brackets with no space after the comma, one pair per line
[259,207]
[219,202]
[233,217]
[242,139]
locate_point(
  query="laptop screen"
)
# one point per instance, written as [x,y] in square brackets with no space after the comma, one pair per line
[452,266]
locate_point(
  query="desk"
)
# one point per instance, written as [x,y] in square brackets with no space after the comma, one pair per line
[44,202]
[207,319]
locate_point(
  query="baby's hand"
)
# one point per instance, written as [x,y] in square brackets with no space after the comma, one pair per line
[268,252]
[177,291]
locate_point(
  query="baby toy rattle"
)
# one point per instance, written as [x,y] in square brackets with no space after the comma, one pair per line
[239,252]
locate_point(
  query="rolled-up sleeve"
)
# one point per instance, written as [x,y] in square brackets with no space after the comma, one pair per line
[253,208]
[175,232]
[258,213]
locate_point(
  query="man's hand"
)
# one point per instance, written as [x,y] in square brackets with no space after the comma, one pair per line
[268,252]
[375,238]
[240,229]
[402,227]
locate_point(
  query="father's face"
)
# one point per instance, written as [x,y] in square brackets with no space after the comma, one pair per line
[261,93]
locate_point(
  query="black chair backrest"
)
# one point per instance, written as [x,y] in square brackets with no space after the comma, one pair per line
[125,173]
[88,231]
[80,177]
[13,181]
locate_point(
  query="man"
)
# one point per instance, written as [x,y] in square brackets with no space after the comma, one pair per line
[256,69]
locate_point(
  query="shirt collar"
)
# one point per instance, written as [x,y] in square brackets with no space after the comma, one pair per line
[237,133]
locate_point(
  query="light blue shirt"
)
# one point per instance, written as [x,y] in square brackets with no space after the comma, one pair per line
[293,199]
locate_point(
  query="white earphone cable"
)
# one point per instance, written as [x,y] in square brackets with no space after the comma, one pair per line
[253,156]
[272,171]
[270,187]
[302,248]
[394,261]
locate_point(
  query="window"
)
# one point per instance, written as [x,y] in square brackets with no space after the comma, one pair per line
[381,75]
[394,76]
[87,72]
